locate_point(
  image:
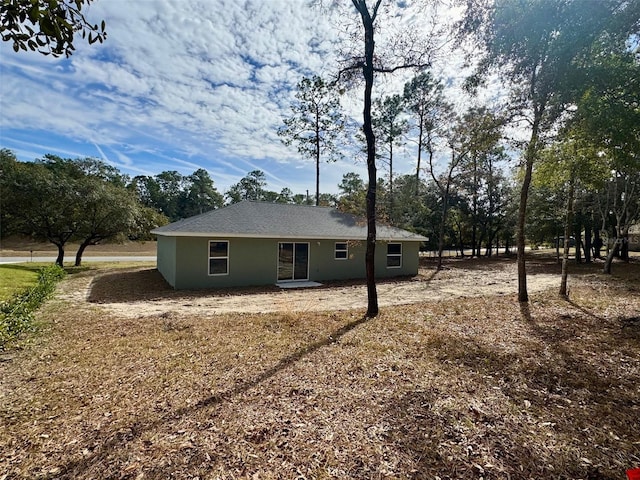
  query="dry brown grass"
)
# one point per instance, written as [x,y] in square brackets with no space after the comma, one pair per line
[473,388]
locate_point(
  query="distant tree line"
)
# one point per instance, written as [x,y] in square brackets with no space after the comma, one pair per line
[470,197]
[86,201]
[61,200]
[569,71]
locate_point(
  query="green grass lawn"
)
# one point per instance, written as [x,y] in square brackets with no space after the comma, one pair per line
[16,277]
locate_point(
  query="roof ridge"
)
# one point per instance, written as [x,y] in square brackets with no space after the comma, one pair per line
[270,219]
[264,202]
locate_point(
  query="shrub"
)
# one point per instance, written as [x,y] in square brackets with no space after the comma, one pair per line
[16,314]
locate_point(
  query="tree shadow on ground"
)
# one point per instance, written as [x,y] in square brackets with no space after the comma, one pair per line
[468,263]
[30,267]
[456,434]
[148,285]
[119,440]
[540,263]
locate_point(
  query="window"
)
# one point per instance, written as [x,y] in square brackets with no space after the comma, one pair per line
[342,251]
[218,257]
[394,255]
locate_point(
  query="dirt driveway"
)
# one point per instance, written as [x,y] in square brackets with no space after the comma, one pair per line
[140,292]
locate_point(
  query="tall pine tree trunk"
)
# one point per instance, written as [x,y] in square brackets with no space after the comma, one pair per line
[475,246]
[419,156]
[317,159]
[587,242]
[443,223]
[391,202]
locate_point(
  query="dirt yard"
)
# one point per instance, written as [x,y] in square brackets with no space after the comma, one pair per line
[136,293]
[130,380]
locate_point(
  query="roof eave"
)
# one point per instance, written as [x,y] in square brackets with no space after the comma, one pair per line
[275,235]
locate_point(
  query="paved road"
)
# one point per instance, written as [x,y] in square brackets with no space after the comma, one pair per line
[70,260]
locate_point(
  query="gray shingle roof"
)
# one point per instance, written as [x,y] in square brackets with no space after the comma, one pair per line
[273,220]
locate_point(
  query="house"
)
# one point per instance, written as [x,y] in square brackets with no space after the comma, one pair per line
[634,238]
[257,243]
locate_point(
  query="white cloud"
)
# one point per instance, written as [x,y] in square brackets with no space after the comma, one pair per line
[183,85]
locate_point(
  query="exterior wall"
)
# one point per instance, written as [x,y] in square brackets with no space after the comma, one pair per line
[410,260]
[166,256]
[634,238]
[323,265]
[255,261]
[251,262]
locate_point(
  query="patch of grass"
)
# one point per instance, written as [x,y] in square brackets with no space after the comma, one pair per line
[17,313]
[459,388]
[15,278]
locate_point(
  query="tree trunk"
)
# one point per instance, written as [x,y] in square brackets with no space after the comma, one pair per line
[530,154]
[491,236]
[81,250]
[419,156]
[317,159]
[612,253]
[60,258]
[368,73]
[475,252]
[523,296]
[624,248]
[474,241]
[478,246]
[597,244]
[567,226]
[587,242]
[577,233]
[391,205]
[443,222]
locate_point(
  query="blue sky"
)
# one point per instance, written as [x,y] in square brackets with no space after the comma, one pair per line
[186,85]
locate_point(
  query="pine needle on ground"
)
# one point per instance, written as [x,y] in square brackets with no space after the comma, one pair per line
[460,388]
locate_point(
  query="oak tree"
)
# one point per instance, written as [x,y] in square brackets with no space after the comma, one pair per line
[46,26]
[535,45]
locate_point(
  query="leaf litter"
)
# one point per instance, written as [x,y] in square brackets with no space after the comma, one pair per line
[451,387]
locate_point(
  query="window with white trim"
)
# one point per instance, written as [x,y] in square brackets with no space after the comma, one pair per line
[394,255]
[218,257]
[341,251]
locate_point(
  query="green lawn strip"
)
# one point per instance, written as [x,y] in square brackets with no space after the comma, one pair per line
[16,313]
[15,278]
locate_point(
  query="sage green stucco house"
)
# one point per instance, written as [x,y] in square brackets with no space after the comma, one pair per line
[256,243]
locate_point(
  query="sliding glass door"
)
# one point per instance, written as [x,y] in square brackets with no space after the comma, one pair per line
[293,261]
